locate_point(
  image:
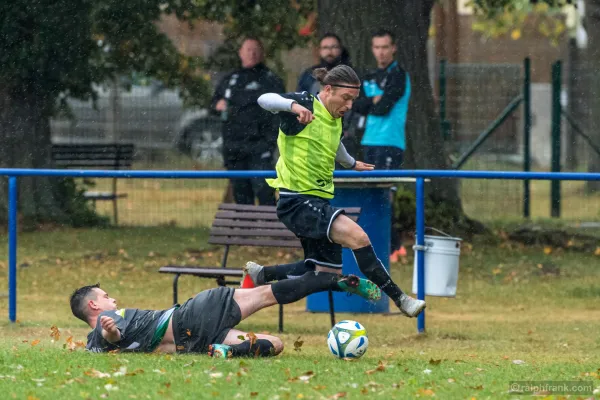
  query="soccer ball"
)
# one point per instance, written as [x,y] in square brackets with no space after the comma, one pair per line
[348,340]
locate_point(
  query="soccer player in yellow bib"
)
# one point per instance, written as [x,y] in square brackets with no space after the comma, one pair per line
[309,141]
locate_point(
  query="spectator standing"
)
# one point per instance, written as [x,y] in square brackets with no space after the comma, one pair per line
[249,132]
[331,53]
[385,94]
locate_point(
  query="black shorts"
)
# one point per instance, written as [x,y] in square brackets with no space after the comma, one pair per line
[205,319]
[310,218]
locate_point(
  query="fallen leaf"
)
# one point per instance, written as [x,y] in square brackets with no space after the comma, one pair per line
[54,333]
[35,342]
[478,387]
[434,362]
[364,390]
[216,375]
[547,250]
[319,387]
[518,362]
[451,380]
[252,337]
[427,371]
[426,392]
[380,367]
[298,344]
[94,373]
[597,252]
[252,394]
[338,395]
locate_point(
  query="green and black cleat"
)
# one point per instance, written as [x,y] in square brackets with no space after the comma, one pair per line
[362,287]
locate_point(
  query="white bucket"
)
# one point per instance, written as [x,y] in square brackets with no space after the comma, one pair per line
[441,266]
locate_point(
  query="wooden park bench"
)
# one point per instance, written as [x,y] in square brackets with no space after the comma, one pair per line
[105,156]
[245,225]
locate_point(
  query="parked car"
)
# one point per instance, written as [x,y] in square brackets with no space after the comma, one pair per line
[148,115]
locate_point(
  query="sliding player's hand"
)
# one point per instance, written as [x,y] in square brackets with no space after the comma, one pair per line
[362,166]
[304,115]
[108,324]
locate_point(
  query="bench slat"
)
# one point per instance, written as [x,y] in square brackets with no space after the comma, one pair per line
[249,224]
[255,242]
[246,215]
[252,232]
[246,207]
[201,271]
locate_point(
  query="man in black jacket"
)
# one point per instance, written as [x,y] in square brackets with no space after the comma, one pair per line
[332,53]
[249,132]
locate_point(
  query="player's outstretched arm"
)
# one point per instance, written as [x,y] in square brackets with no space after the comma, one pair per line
[275,103]
[110,332]
[363,166]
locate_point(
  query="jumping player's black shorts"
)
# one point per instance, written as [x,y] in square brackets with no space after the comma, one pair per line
[205,319]
[310,219]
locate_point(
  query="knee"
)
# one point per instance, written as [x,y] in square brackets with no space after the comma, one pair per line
[360,239]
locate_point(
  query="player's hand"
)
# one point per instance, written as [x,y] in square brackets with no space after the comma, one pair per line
[221,105]
[362,166]
[376,99]
[304,115]
[108,324]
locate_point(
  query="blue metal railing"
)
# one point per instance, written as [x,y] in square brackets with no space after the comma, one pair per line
[419,175]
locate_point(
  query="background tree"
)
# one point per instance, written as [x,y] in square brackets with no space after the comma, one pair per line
[54,49]
[410,20]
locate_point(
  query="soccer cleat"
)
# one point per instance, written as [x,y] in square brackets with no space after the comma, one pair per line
[362,287]
[409,306]
[219,351]
[252,275]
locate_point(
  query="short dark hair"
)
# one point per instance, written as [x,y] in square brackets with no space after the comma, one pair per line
[254,39]
[384,32]
[330,35]
[79,301]
[341,74]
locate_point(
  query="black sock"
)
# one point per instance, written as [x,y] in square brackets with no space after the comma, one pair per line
[291,290]
[260,348]
[369,264]
[283,271]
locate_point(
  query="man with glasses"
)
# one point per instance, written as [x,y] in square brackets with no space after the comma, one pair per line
[332,53]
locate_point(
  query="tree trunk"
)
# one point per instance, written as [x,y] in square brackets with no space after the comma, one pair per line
[592,16]
[25,143]
[354,21]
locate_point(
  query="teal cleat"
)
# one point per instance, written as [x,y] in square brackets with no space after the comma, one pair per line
[362,287]
[219,351]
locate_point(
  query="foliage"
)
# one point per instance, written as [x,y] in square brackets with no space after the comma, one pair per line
[275,22]
[495,18]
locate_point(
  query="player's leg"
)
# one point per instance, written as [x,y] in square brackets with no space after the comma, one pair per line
[349,234]
[264,274]
[241,344]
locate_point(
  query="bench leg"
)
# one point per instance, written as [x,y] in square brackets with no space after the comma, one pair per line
[115,212]
[281,318]
[175,281]
[331,309]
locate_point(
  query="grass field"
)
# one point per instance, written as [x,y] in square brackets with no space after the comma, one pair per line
[521,314]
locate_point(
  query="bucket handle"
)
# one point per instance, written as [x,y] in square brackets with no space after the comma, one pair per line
[424,247]
[437,230]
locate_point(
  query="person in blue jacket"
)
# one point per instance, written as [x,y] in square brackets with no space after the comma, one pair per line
[385,94]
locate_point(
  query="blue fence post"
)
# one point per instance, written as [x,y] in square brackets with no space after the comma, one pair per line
[420,252]
[12,248]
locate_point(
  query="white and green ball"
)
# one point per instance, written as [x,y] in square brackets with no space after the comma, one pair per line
[348,339]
